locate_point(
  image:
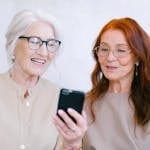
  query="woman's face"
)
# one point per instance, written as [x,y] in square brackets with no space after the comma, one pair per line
[116,59]
[34,62]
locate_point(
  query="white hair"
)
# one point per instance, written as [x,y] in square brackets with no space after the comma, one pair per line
[20,23]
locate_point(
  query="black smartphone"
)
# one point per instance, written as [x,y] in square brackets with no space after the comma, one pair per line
[71,99]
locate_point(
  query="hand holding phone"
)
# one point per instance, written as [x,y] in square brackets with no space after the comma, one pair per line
[71,99]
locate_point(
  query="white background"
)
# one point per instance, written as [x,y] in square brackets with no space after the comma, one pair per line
[80,21]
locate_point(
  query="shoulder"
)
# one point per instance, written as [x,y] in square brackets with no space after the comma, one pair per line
[48,91]
[49,86]
[3,77]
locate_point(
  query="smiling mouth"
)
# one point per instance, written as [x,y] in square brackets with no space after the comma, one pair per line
[111,68]
[39,61]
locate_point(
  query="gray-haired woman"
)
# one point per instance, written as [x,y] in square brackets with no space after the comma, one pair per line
[28,102]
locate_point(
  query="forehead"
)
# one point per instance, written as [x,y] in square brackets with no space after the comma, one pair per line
[41,29]
[113,37]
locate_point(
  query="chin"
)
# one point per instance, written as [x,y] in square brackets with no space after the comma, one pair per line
[111,77]
[36,72]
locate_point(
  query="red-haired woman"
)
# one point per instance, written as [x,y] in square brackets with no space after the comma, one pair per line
[119,102]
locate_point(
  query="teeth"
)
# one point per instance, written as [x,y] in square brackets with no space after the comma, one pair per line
[38,60]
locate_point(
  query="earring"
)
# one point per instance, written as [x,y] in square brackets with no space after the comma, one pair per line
[136,68]
[101,75]
[13,58]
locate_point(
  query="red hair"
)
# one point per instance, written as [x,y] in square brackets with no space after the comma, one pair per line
[139,42]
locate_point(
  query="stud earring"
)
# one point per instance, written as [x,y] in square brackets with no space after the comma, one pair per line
[13,58]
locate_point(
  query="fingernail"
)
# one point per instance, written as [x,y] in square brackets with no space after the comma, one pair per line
[70,110]
[60,111]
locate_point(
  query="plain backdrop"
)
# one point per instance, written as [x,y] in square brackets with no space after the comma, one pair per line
[80,22]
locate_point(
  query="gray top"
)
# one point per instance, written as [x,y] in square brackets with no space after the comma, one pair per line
[114,127]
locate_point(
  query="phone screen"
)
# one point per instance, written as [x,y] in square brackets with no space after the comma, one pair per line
[71,99]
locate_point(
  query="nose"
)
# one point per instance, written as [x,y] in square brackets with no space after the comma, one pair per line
[43,50]
[111,56]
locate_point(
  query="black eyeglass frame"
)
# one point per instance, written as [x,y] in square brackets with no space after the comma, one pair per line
[42,41]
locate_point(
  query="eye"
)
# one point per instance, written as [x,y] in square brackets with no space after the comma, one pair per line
[104,49]
[35,40]
[52,43]
[121,50]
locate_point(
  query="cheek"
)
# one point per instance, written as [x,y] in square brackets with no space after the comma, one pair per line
[22,55]
[21,49]
[124,62]
[102,60]
[127,61]
[127,65]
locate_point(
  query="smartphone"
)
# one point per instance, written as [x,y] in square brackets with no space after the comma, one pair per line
[71,99]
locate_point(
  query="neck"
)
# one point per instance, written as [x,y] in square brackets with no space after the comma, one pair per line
[25,80]
[120,86]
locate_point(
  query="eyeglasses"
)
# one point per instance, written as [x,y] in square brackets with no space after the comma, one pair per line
[121,50]
[35,43]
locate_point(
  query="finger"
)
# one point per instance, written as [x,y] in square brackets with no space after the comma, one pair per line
[80,118]
[69,122]
[64,130]
[57,120]
[60,123]
[64,133]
